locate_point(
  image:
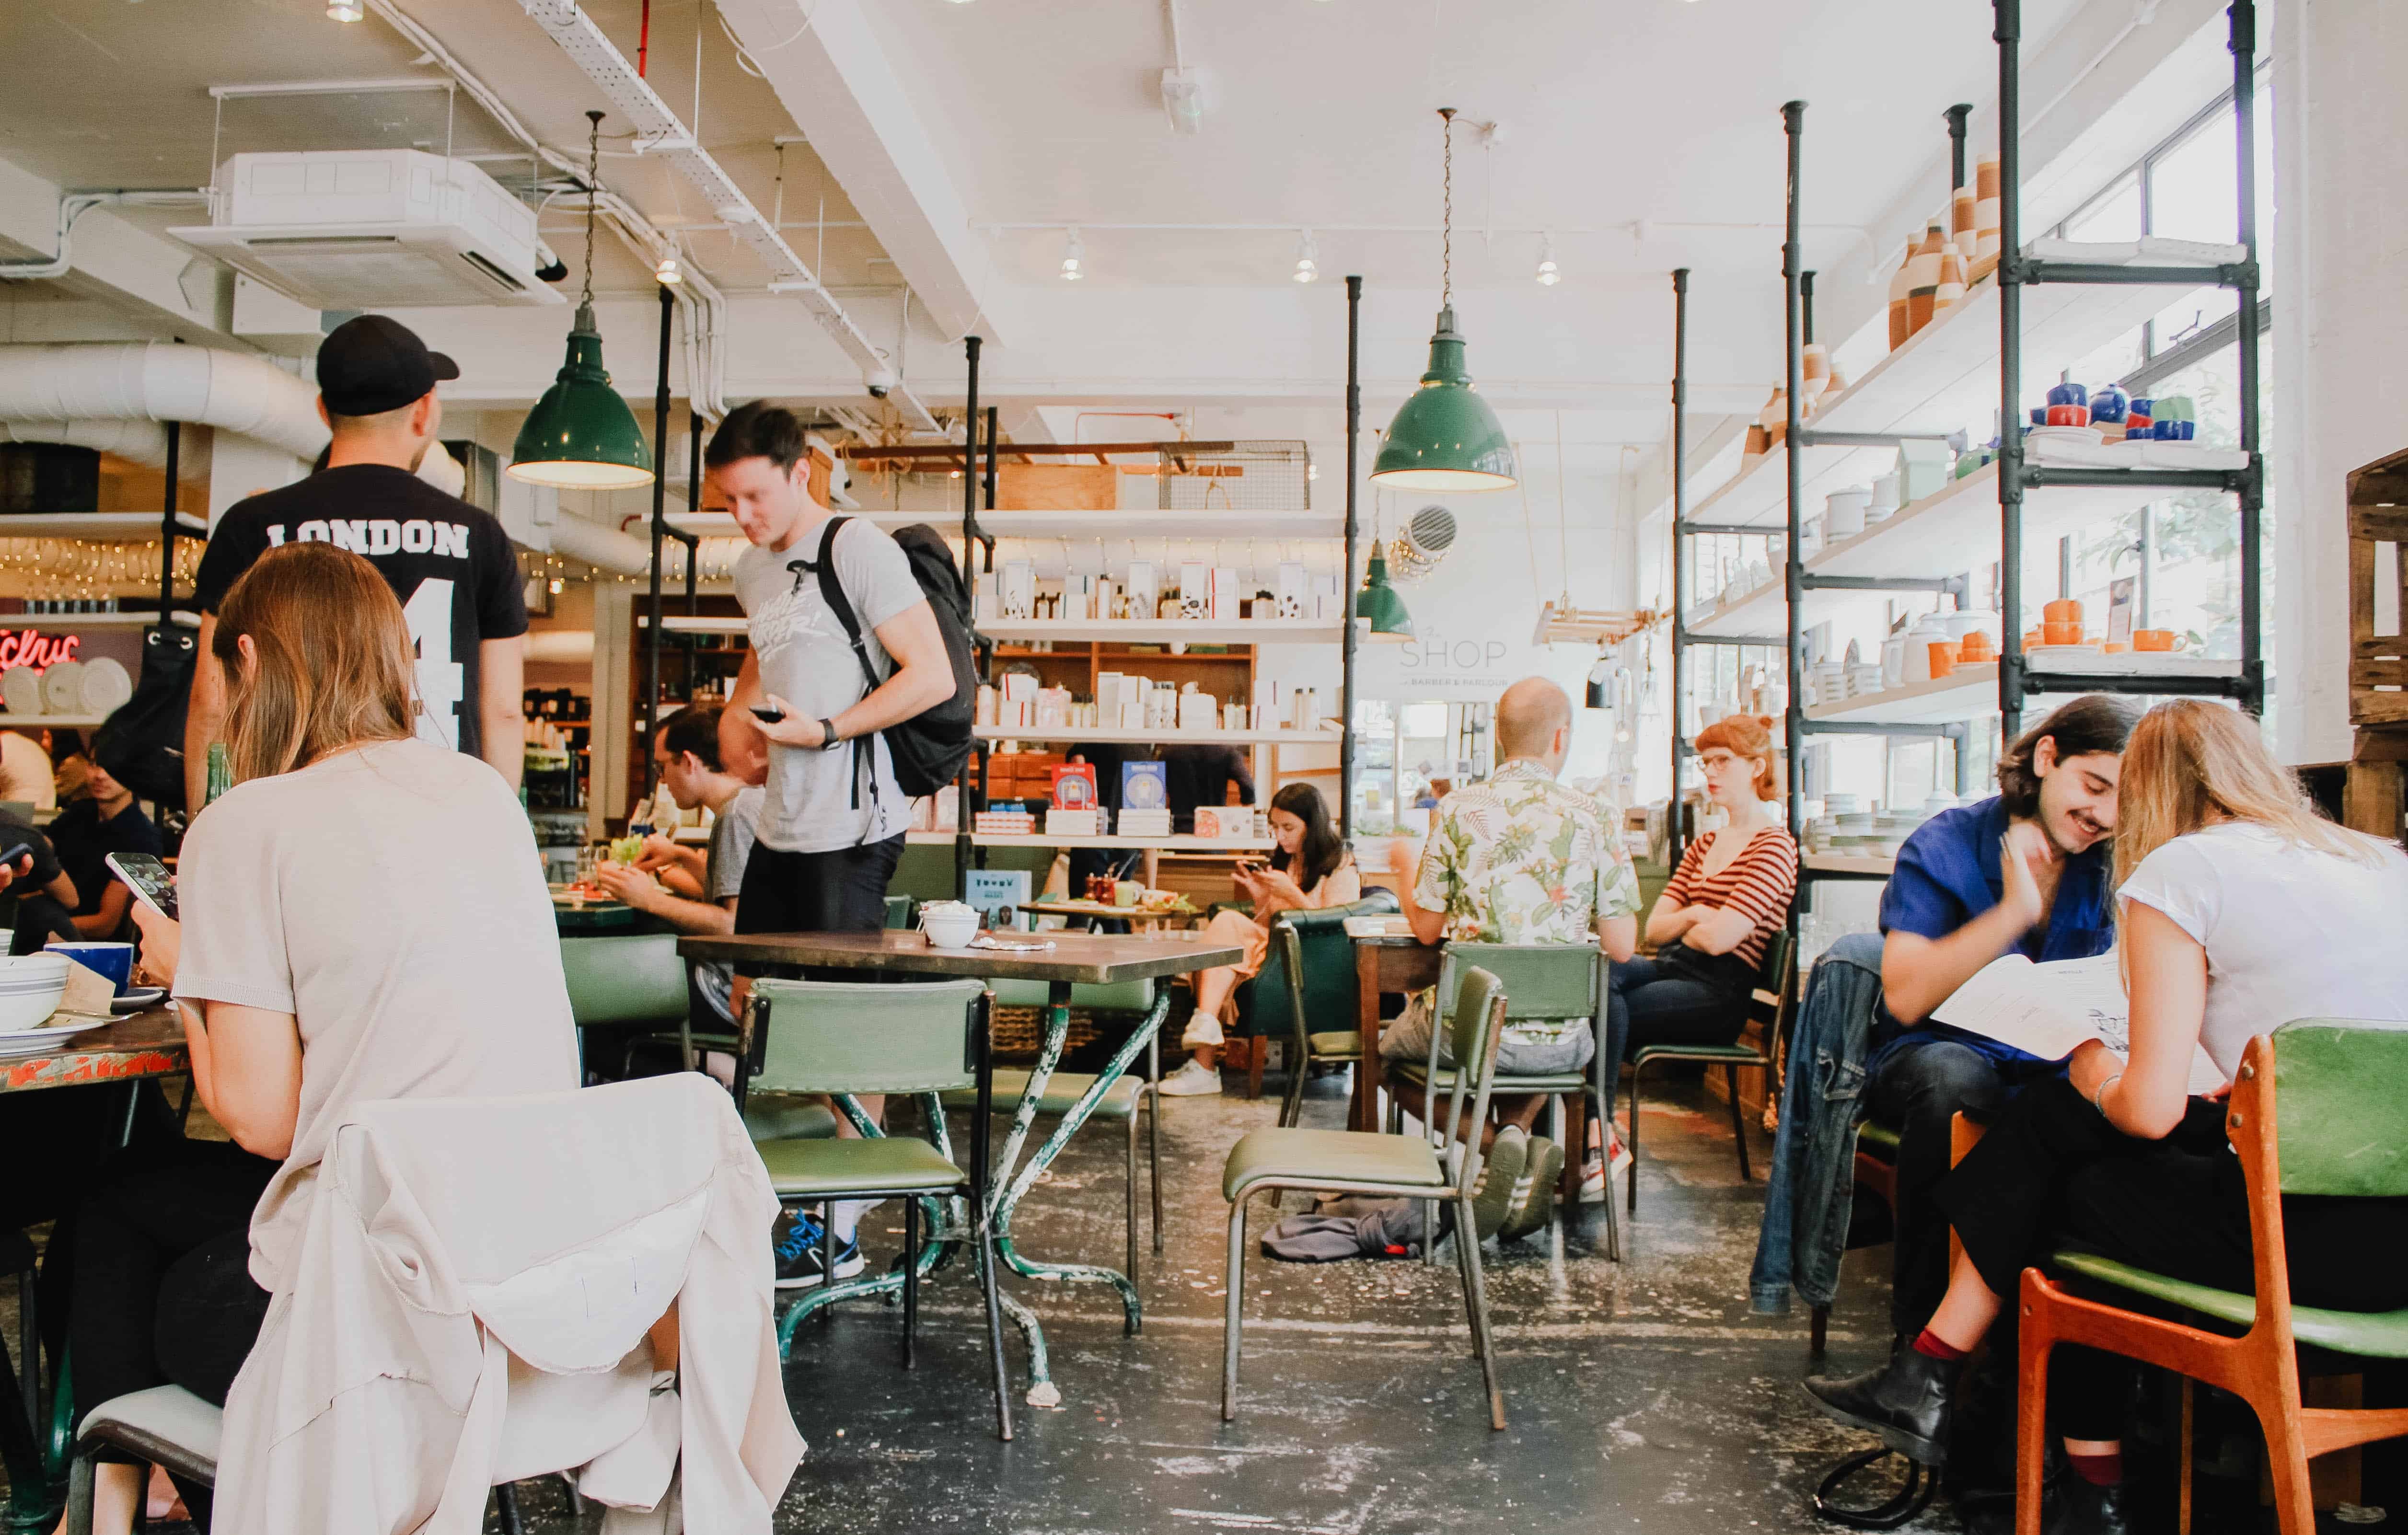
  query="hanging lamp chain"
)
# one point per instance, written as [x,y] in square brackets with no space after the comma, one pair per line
[1446,223]
[592,195]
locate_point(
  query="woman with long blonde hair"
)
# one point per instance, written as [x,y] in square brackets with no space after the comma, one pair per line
[364,918]
[2242,908]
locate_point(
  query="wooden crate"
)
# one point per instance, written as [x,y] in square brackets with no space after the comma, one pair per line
[1056,487]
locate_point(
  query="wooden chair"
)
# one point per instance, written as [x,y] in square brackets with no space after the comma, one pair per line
[2341,1130]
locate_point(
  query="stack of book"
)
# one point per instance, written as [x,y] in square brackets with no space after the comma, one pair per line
[1004,824]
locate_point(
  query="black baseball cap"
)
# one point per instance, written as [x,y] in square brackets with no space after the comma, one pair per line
[370,363]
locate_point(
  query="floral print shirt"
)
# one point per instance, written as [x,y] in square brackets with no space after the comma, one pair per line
[1520,858]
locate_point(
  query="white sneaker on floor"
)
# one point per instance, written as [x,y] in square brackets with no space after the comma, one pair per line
[1591,1188]
[1617,1152]
[1193,1080]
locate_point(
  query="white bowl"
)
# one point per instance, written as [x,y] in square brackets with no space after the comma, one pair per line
[30,988]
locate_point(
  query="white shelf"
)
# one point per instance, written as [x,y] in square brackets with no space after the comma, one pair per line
[1099,736]
[53,623]
[1944,379]
[1965,693]
[1109,525]
[51,722]
[114,527]
[1159,631]
[1839,863]
[1163,844]
[1950,531]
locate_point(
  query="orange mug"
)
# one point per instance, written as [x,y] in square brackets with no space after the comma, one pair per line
[1976,647]
[2158,640]
[2033,637]
[2055,633]
[2114,646]
[2063,610]
[1944,658]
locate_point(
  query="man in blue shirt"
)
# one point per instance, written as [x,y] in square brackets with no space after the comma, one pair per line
[2024,872]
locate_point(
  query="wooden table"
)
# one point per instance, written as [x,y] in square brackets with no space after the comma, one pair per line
[1390,962]
[1108,913]
[1074,958]
[145,1044]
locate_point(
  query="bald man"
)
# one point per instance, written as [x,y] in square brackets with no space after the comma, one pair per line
[1520,858]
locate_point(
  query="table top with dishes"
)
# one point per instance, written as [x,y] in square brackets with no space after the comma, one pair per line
[149,1043]
[1063,956]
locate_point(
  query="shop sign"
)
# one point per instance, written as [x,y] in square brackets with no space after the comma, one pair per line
[32,648]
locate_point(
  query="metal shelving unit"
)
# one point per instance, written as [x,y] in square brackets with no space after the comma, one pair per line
[1925,388]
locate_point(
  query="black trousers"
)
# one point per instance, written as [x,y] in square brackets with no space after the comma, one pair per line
[2052,1172]
[842,890]
[1924,1082]
[1680,997]
[161,1290]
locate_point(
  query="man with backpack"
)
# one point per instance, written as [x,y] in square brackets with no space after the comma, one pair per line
[834,815]
[846,647]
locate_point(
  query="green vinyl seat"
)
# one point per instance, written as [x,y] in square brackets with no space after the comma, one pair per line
[1553,1082]
[2372,1335]
[1308,978]
[1881,1140]
[1347,1155]
[891,1164]
[1768,1003]
[1369,1163]
[846,1038]
[775,1116]
[629,988]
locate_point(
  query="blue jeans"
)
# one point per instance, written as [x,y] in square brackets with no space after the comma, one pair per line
[1649,1001]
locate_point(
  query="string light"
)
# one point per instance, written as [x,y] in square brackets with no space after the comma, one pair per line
[1072,254]
[1306,269]
[1548,274]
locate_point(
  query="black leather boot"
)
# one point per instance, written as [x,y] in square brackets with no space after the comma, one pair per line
[2070,1506]
[1906,1402]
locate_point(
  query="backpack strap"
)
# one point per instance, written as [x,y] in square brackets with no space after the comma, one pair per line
[832,593]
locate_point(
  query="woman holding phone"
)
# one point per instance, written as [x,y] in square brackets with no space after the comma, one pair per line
[364,918]
[1309,869]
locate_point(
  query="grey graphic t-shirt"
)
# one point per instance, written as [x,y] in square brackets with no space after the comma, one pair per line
[816,801]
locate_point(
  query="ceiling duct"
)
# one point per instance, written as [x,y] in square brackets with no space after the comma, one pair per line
[661,135]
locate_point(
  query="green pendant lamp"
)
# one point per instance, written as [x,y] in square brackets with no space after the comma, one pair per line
[581,436]
[1380,606]
[1445,438]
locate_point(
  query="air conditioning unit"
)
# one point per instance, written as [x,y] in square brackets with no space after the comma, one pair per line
[373,229]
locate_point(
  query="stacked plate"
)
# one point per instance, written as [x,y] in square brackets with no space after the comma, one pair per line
[30,988]
[92,688]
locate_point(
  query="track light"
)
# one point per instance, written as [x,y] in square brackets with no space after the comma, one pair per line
[1072,254]
[347,10]
[1305,250]
[669,273]
[1548,275]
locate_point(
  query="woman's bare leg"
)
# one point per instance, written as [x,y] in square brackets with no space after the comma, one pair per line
[1967,1311]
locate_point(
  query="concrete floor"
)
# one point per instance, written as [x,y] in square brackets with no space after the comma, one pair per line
[1642,1396]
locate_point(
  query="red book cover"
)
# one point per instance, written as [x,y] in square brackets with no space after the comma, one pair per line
[1074,786]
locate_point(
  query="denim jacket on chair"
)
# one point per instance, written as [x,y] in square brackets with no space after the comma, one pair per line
[1808,1195]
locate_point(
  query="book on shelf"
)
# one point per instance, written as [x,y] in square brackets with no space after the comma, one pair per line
[1004,824]
[1133,823]
[1086,822]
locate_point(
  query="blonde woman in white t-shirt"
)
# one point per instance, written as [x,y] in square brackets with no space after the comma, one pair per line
[2241,909]
[364,918]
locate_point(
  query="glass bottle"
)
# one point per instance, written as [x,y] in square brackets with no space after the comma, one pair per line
[221,774]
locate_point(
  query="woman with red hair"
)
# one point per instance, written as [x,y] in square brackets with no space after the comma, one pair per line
[1729,895]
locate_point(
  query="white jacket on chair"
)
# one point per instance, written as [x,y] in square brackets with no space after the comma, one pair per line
[469,1304]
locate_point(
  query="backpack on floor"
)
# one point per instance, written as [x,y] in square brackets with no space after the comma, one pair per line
[930,750]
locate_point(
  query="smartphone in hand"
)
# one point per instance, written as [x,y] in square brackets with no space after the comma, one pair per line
[149,879]
[767,716]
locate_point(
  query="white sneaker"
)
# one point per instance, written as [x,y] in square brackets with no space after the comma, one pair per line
[1616,1153]
[1193,1080]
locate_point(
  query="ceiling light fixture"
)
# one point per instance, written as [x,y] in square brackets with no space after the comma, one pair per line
[581,436]
[1305,250]
[347,10]
[1548,275]
[669,273]
[1072,254]
[1445,438]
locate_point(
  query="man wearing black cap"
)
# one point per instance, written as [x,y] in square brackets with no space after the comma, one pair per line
[450,564]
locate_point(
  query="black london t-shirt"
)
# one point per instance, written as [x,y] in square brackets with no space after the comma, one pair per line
[450,564]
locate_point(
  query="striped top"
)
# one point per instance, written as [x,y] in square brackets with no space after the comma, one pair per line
[1760,882]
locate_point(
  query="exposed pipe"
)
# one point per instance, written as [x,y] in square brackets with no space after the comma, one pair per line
[606,549]
[136,441]
[74,206]
[84,381]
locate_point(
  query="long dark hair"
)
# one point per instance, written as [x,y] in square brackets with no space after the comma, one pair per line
[1320,852]
[2092,722]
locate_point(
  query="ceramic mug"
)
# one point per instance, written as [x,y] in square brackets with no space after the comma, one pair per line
[2061,633]
[2158,640]
[114,961]
[2069,415]
[2061,611]
[2068,393]
[1844,514]
[1976,647]
[949,924]
[2111,404]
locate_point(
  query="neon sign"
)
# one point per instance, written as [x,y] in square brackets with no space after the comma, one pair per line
[32,648]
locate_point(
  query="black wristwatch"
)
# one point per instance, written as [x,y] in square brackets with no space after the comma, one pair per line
[830,739]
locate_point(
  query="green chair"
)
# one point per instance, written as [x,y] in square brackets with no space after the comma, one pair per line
[1541,981]
[2340,1130]
[1398,1166]
[1286,999]
[899,910]
[1063,1089]
[846,1038]
[1768,1004]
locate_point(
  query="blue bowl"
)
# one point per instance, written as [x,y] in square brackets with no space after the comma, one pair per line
[113,960]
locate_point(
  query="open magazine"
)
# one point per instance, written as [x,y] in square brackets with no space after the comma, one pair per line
[2052,1009]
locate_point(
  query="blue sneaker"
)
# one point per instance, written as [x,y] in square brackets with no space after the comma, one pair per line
[797,1244]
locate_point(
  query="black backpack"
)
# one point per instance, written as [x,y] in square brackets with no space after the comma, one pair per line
[930,750]
[142,744]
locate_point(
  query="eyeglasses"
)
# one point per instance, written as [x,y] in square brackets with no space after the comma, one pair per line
[1715,762]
